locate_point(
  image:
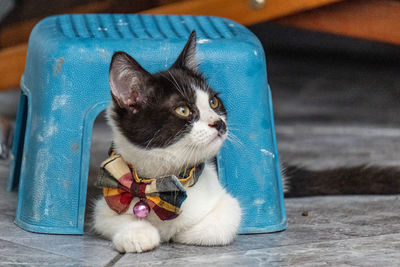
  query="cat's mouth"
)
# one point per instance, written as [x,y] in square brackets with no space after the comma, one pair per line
[218,137]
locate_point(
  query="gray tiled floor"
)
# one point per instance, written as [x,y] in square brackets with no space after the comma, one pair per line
[329,112]
[362,230]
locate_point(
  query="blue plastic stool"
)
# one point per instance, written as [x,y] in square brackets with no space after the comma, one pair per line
[65,87]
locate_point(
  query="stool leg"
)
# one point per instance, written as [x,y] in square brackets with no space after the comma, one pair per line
[50,172]
[54,171]
[18,143]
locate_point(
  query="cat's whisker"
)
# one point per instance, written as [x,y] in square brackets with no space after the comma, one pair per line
[235,140]
[154,136]
[173,83]
[188,161]
[189,150]
[177,84]
[236,144]
[234,128]
[235,124]
[166,77]
[170,140]
[161,166]
[232,135]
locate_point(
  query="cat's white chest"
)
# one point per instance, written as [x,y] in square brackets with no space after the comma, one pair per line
[201,199]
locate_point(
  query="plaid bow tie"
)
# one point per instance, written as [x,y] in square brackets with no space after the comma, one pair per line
[121,185]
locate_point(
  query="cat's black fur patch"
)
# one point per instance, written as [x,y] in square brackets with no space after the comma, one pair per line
[156,124]
[342,181]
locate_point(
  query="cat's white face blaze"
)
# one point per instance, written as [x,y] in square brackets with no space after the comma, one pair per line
[203,141]
[203,133]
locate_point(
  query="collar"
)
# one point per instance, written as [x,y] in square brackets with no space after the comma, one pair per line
[165,195]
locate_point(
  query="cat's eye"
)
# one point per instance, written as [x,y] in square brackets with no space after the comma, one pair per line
[214,103]
[184,111]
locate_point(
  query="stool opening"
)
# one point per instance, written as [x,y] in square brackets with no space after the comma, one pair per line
[18,143]
[101,141]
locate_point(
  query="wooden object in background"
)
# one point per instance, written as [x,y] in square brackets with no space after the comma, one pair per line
[368,19]
[239,10]
[19,32]
[12,63]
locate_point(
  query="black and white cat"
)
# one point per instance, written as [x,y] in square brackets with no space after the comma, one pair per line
[163,124]
[171,121]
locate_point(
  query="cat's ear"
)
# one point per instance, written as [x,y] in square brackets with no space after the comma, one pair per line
[127,79]
[187,58]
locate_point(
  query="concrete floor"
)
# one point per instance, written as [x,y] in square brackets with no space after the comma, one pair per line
[354,231]
[331,109]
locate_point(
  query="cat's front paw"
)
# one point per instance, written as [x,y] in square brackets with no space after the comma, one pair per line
[218,228]
[137,237]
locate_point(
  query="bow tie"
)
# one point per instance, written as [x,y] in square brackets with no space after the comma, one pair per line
[121,184]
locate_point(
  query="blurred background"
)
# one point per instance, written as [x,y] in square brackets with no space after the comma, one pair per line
[333,67]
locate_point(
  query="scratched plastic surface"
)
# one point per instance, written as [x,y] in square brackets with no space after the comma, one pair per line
[65,86]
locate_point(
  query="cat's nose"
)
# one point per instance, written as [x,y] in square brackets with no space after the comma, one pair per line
[219,125]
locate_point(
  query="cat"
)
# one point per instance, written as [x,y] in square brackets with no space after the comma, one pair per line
[163,124]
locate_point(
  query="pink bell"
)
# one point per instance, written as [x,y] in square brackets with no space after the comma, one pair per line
[141,209]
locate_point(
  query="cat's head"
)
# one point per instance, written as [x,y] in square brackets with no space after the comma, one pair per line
[172,117]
